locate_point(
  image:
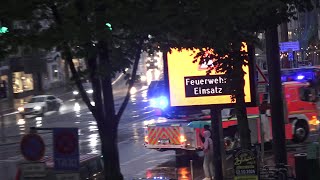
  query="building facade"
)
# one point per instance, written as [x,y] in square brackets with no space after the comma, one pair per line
[27,75]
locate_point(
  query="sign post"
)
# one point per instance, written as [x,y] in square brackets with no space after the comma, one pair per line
[217,136]
[190,88]
[66,149]
[32,149]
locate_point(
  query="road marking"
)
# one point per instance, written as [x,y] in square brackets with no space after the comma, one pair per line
[12,113]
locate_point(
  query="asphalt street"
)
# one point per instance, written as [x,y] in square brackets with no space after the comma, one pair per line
[136,161]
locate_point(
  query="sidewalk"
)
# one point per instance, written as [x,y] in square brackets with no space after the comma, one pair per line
[268,161]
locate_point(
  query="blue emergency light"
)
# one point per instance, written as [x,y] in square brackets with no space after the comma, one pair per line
[159,102]
[298,75]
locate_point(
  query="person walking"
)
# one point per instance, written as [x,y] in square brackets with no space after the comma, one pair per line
[208,156]
[206,128]
[264,107]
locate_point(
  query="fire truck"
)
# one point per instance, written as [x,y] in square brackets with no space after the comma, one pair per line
[181,132]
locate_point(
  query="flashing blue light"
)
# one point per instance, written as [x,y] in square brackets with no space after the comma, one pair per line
[160,102]
[163,102]
[300,77]
[153,102]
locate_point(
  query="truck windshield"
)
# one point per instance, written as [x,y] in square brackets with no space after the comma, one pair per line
[308,94]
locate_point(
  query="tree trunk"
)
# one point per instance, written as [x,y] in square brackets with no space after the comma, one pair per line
[108,124]
[241,111]
[110,152]
[243,125]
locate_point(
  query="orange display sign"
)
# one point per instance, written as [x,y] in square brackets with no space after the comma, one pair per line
[189,84]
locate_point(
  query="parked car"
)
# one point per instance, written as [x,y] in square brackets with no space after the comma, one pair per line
[38,105]
[87,87]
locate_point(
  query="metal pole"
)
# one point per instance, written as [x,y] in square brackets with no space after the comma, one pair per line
[3,138]
[277,112]
[216,124]
[262,140]
[191,169]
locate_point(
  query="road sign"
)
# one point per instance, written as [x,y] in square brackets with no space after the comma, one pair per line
[289,46]
[245,165]
[33,170]
[66,148]
[290,56]
[32,147]
[261,77]
[189,84]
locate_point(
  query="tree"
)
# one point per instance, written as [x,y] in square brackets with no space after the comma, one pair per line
[82,28]
[196,25]
[78,28]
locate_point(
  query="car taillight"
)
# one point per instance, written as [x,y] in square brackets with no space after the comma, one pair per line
[182,139]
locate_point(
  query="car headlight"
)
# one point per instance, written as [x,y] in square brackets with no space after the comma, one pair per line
[37,108]
[133,90]
[90,91]
[75,92]
[20,109]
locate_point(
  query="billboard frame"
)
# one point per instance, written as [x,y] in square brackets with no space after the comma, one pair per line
[252,77]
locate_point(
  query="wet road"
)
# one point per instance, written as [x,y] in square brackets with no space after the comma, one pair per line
[136,161]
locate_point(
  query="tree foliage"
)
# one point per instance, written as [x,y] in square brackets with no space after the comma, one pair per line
[78,28]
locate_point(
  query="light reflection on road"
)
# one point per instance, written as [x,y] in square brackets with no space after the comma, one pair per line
[181,173]
[38,121]
[93,143]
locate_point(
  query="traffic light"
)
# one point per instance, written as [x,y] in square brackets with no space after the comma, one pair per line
[3,30]
[109,26]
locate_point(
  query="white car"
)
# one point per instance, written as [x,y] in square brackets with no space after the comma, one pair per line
[87,87]
[38,105]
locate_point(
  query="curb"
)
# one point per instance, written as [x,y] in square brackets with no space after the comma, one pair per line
[9,143]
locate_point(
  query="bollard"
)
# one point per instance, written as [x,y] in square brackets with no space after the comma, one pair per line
[312,161]
[191,169]
[300,166]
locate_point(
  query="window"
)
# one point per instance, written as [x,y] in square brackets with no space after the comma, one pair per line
[307,94]
[37,99]
[22,82]
[51,98]
[55,72]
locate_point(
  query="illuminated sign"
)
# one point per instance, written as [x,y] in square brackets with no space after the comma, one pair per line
[189,84]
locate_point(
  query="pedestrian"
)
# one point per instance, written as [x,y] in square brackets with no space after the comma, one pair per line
[264,107]
[208,156]
[206,128]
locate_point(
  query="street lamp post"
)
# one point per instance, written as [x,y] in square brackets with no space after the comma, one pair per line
[277,111]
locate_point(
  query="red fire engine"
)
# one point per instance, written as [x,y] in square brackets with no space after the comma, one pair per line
[181,133]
